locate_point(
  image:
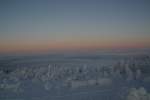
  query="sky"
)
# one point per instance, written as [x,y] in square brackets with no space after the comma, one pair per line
[73,25]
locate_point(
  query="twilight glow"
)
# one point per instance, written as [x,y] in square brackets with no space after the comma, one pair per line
[73,25]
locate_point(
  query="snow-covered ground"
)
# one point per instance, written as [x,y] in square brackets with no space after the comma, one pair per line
[92,77]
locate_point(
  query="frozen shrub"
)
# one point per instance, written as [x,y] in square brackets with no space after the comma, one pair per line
[138,94]
[47,86]
[104,81]
[11,87]
[138,74]
[92,82]
[147,79]
[77,84]
[129,73]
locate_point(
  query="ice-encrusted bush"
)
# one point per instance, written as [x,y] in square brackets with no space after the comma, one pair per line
[138,94]
[48,86]
[146,79]
[91,82]
[12,87]
[104,81]
[138,74]
[129,73]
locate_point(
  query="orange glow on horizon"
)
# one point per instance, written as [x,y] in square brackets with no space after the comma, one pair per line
[71,45]
[87,43]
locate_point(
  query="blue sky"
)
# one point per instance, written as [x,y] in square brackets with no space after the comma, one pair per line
[69,21]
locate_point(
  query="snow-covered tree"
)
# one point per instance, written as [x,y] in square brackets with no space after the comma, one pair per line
[129,73]
[138,74]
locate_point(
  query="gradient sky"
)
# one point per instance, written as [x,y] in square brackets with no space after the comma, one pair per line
[70,25]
